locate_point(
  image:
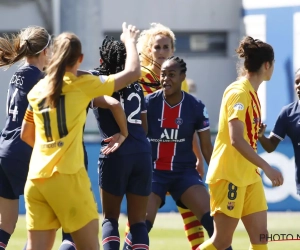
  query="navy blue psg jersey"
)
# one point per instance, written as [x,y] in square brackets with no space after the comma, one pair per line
[171,130]
[133,103]
[288,123]
[11,145]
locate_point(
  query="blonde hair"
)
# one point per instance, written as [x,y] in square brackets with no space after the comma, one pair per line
[66,52]
[145,41]
[29,42]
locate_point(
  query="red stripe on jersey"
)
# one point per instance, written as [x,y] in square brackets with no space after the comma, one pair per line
[249,128]
[167,150]
[192,224]
[169,116]
[257,117]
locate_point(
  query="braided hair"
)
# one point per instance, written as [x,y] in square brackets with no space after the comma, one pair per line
[113,54]
[181,63]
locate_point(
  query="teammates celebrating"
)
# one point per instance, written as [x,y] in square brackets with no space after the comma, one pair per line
[164,125]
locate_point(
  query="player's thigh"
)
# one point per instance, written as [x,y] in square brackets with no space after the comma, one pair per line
[140,178]
[256,226]
[76,206]
[41,239]
[39,213]
[196,198]
[114,173]
[224,227]
[136,208]
[87,236]
[161,182]
[153,205]
[227,198]
[188,189]
[254,214]
[111,204]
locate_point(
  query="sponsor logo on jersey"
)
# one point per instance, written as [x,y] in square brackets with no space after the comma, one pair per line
[238,106]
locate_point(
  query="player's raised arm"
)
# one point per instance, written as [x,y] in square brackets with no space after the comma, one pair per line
[132,71]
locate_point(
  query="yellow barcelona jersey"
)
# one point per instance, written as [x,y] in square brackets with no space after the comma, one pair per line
[59,131]
[240,101]
[149,82]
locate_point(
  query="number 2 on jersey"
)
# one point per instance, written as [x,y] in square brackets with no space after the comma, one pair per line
[130,118]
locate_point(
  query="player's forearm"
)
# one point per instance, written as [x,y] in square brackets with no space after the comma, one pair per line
[242,146]
[196,147]
[267,144]
[132,64]
[120,118]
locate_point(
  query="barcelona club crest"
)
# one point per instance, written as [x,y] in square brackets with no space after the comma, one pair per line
[230,205]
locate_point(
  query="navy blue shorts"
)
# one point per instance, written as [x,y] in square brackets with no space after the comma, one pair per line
[13,175]
[174,182]
[126,174]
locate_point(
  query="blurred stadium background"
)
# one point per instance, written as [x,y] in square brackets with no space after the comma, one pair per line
[207,32]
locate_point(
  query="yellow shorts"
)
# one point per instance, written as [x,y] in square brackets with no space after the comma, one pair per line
[236,201]
[63,200]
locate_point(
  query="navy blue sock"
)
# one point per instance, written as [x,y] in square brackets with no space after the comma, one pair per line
[4,238]
[110,234]
[128,239]
[149,225]
[208,223]
[140,238]
[128,242]
[67,242]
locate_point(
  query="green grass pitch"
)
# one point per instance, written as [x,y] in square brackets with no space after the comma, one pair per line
[168,233]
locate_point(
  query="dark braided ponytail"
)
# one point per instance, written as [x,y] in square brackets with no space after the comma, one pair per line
[180,61]
[113,54]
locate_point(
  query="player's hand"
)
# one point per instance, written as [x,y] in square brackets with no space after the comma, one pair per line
[115,142]
[274,175]
[262,129]
[200,168]
[130,33]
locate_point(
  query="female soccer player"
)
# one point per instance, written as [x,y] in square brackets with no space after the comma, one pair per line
[155,45]
[235,185]
[128,170]
[31,45]
[53,125]
[171,129]
[287,124]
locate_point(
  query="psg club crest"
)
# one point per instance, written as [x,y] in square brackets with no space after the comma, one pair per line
[230,205]
[178,121]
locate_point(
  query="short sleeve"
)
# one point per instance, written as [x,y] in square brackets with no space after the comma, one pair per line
[28,117]
[202,122]
[98,86]
[280,127]
[236,102]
